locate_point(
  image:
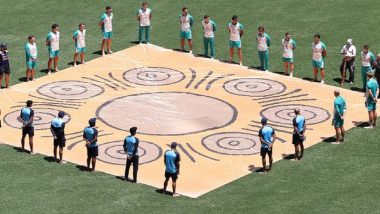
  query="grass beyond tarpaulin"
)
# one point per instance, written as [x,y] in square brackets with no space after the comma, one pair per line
[331,179]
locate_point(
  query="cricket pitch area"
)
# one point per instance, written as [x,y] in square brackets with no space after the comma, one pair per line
[212,109]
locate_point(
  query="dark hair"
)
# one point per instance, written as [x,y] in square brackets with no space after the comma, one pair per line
[184,8]
[80,24]
[133,130]
[296,111]
[30,37]
[91,123]
[54,26]
[144,3]
[366,46]
[29,103]
[206,16]
[261,28]
[317,35]
[108,7]
[234,17]
[287,33]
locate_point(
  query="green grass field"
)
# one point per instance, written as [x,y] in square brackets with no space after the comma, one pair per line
[331,179]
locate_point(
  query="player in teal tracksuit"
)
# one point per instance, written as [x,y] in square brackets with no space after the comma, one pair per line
[263,43]
[144,16]
[209,28]
[371,98]
[338,119]
[367,61]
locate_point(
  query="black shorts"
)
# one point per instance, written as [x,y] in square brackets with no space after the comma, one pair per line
[174,176]
[296,139]
[4,69]
[28,131]
[60,142]
[265,151]
[92,152]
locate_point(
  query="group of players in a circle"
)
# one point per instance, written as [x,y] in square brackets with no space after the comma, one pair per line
[236,29]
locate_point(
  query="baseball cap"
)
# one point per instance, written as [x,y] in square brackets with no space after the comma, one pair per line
[264,120]
[3,45]
[173,145]
[61,114]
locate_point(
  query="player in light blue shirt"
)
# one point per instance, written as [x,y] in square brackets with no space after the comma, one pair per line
[371,98]
[172,166]
[57,128]
[338,119]
[27,119]
[90,136]
[299,126]
[267,138]
[131,145]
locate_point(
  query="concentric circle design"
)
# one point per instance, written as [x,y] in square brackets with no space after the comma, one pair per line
[167,113]
[232,143]
[42,118]
[70,90]
[153,76]
[284,114]
[254,87]
[113,152]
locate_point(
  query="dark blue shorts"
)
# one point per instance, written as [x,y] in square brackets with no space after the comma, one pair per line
[5,69]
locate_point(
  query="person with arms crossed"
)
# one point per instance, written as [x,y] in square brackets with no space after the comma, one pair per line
[319,54]
[338,119]
[348,62]
[79,38]
[4,65]
[90,135]
[27,118]
[372,94]
[131,145]
[186,21]
[52,41]
[236,31]
[144,16]
[209,28]
[57,129]
[368,60]
[267,138]
[172,166]
[263,44]
[106,26]
[288,46]
[31,57]
[299,125]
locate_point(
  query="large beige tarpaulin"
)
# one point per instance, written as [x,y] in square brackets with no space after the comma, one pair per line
[212,109]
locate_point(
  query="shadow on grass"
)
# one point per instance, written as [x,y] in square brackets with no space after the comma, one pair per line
[18,149]
[135,42]
[361,124]
[288,156]
[161,191]
[253,168]
[328,139]
[338,80]
[357,89]
[44,71]
[82,168]
[99,52]
[50,159]
[22,79]
[308,79]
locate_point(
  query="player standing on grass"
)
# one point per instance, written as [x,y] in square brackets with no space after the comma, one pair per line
[288,46]
[131,145]
[27,118]
[299,125]
[348,63]
[4,65]
[263,43]
[209,28]
[371,99]
[319,54]
[338,120]
[31,57]
[236,31]
[106,26]
[52,41]
[267,139]
[144,16]
[171,160]
[79,38]
[186,21]
[57,129]
[368,60]
[90,135]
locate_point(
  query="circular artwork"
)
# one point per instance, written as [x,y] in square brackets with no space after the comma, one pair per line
[42,118]
[70,90]
[284,114]
[167,113]
[232,143]
[113,152]
[153,76]
[254,87]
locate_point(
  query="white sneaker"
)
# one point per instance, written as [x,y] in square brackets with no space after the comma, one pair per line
[241,64]
[148,43]
[75,65]
[140,43]
[190,52]
[212,58]
[266,71]
[291,74]
[322,82]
